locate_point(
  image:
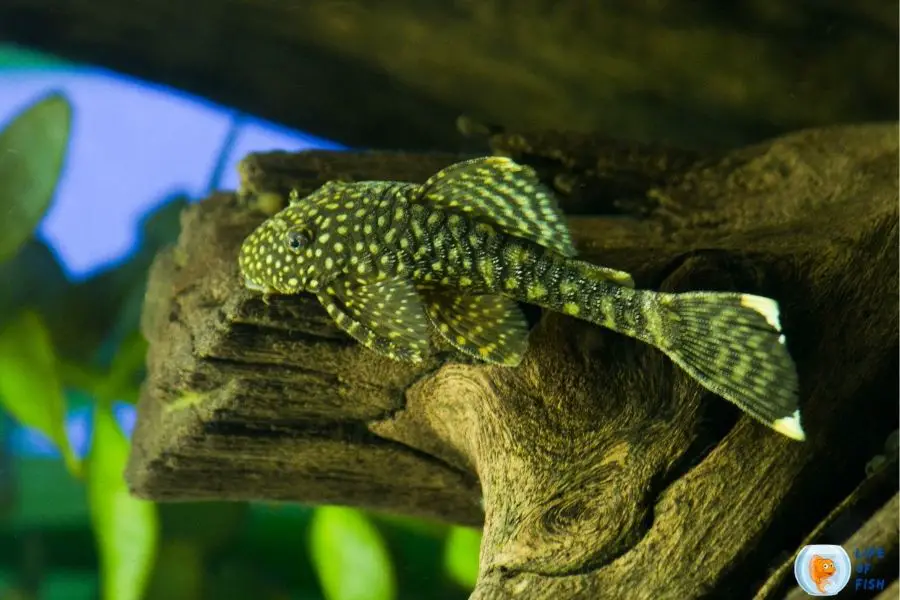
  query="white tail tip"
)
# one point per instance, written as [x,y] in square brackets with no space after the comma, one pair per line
[767,307]
[790,426]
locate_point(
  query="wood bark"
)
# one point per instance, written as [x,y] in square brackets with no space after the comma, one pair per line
[604,470]
[395,73]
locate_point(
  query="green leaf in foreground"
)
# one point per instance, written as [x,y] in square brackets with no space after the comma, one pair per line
[461,555]
[350,556]
[30,387]
[126,529]
[121,382]
[32,152]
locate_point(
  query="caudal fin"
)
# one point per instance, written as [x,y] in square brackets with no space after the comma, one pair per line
[733,345]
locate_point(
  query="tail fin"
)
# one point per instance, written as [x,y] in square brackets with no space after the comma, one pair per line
[733,345]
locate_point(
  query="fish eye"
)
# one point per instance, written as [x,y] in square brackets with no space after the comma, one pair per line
[296,241]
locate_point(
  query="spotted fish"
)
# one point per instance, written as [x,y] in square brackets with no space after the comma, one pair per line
[393,261]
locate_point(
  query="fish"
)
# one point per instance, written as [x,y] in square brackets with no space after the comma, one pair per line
[820,571]
[393,261]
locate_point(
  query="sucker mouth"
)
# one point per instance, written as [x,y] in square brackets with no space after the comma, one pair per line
[256,287]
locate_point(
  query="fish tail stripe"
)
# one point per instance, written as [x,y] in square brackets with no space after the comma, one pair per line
[732,344]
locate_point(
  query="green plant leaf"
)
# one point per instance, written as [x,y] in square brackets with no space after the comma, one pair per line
[461,555]
[126,528]
[350,556]
[32,152]
[35,280]
[121,381]
[30,387]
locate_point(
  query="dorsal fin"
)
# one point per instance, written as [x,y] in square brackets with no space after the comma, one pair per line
[330,191]
[326,190]
[509,195]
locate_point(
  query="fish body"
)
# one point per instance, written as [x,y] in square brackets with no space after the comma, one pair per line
[393,261]
[820,571]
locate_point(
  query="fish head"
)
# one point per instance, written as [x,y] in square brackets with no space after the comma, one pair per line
[822,567]
[292,252]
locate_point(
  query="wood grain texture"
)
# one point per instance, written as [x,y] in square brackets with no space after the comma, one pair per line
[395,73]
[605,470]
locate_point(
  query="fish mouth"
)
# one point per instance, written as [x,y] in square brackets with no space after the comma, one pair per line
[257,287]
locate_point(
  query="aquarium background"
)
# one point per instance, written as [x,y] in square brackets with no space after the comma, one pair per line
[136,154]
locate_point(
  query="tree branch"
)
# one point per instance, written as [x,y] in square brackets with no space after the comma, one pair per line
[380,73]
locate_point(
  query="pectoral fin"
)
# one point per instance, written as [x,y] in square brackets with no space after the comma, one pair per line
[384,316]
[489,328]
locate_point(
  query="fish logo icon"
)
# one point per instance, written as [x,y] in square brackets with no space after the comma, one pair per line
[822,569]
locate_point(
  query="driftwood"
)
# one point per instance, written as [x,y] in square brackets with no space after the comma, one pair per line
[395,73]
[605,471]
